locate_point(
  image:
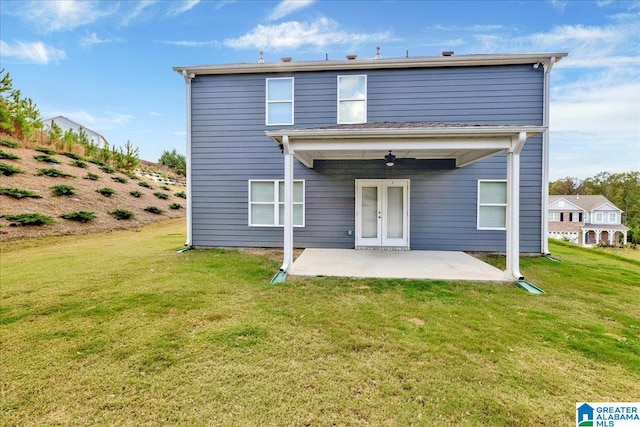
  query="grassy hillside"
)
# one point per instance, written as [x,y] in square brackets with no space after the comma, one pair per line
[32,190]
[119,329]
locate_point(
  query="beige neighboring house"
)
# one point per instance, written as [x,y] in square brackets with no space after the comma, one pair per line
[66,124]
[585,220]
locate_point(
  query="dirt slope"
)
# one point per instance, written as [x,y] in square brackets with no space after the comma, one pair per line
[85,199]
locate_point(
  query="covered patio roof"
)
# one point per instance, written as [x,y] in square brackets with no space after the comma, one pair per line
[464,143]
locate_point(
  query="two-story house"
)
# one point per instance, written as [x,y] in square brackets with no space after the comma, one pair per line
[431,153]
[585,220]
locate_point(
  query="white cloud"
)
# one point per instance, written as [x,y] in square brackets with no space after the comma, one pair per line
[291,35]
[93,39]
[287,7]
[192,43]
[186,6]
[64,15]
[137,11]
[32,52]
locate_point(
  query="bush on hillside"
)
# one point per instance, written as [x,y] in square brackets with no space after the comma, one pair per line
[136,193]
[8,156]
[29,219]
[175,206]
[45,158]
[54,173]
[46,150]
[8,170]
[73,156]
[79,164]
[92,176]
[153,210]
[80,216]
[144,184]
[10,144]
[181,194]
[106,191]
[120,179]
[161,196]
[121,214]
[63,190]
[17,193]
[107,169]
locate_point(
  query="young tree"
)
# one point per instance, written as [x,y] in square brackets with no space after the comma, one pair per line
[175,161]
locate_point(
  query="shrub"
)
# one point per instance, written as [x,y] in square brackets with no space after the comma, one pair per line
[144,184]
[121,214]
[181,194]
[106,191]
[73,156]
[97,162]
[133,176]
[175,206]
[107,169]
[166,188]
[120,179]
[9,144]
[46,150]
[161,196]
[8,156]
[8,170]
[17,193]
[153,210]
[79,164]
[63,190]
[53,172]
[29,219]
[92,176]
[45,158]
[80,216]
[135,193]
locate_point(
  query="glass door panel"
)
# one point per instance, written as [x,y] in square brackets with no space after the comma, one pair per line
[395,213]
[369,213]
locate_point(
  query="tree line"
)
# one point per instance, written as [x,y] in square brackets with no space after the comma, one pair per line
[621,189]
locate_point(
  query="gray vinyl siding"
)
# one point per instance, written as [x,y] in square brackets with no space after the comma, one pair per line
[229,148]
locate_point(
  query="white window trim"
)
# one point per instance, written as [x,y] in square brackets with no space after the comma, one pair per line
[554,216]
[267,102]
[615,218]
[365,100]
[505,205]
[595,218]
[276,203]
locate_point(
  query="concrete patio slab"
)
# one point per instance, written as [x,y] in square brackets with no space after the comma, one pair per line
[437,265]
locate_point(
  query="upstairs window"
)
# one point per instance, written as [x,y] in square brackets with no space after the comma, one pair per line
[492,205]
[599,217]
[352,99]
[554,216]
[613,217]
[279,101]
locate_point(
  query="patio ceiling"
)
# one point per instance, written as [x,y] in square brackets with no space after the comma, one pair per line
[416,140]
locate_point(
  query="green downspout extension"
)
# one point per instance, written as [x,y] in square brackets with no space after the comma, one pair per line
[529,287]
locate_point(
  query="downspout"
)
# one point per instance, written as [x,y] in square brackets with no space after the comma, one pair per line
[287,262]
[187,78]
[545,155]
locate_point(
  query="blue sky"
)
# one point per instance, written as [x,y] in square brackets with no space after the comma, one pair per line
[107,64]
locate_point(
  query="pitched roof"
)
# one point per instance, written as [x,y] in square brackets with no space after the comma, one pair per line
[588,203]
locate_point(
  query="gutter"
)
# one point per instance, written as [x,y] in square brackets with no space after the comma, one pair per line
[189,242]
[545,156]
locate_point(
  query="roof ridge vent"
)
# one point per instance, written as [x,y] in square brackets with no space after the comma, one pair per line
[446,53]
[351,57]
[285,59]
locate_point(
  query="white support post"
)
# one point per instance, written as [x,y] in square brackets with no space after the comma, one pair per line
[287,264]
[513,206]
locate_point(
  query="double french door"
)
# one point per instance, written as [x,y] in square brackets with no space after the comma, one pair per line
[382,213]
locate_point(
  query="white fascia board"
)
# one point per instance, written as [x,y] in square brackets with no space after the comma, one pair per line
[401,145]
[369,64]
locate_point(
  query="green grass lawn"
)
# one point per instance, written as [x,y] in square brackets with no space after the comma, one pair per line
[119,329]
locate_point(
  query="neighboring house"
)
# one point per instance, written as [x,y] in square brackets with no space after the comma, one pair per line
[585,220]
[66,124]
[430,153]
